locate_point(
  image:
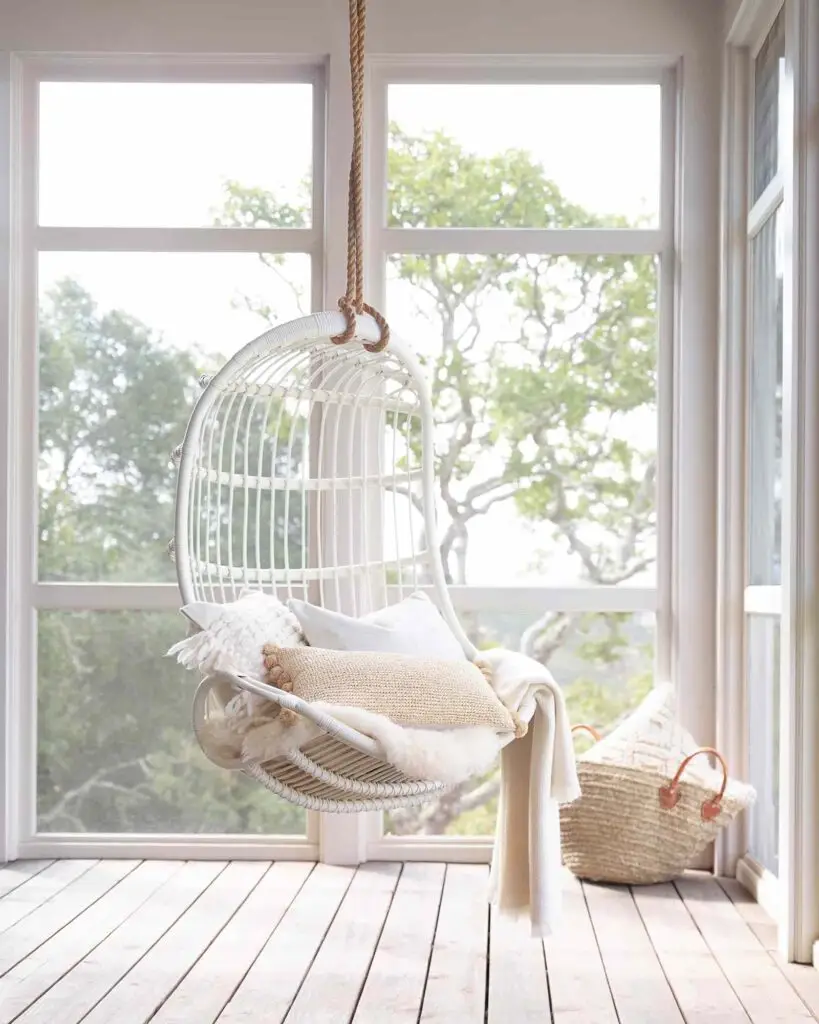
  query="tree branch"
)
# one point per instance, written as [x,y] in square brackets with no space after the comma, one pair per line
[98,780]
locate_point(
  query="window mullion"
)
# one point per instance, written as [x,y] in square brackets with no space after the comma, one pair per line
[498,241]
[106,596]
[767,204]
[217,239]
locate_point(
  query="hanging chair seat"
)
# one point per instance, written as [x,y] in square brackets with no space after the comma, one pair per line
[341,770]
[307,471]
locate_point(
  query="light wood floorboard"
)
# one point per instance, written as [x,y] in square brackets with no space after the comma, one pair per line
[128,942]
[456,984]
[35,928]
[270,986]
[148,984]
[760,985]
[13,875]
[395,983]
[702,991]
[578,984]
[39,889]
[331,989]
[79,991]
[638,983]
[803,977]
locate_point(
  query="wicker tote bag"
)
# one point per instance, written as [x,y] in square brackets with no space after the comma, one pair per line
[650,800]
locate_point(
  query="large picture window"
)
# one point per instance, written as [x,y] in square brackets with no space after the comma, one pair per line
[152,267]
[538,294]
[530,287]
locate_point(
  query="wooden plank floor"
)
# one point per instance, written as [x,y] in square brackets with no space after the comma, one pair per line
[126,942]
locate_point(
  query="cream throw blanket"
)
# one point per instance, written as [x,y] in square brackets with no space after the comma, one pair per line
[538,774]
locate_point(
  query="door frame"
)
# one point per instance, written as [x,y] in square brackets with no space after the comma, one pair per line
[793,897]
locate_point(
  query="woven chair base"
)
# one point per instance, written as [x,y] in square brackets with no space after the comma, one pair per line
[327,775]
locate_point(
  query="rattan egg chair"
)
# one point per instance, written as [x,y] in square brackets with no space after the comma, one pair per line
[307,471]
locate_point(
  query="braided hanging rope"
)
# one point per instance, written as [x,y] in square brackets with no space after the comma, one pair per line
[352,303]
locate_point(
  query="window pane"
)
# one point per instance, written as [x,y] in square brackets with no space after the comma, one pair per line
[605,665]
[544,376]
[765,406]
[763,737]
[524,156]
[769,69]
[115,747]
[123,338]
[122,154]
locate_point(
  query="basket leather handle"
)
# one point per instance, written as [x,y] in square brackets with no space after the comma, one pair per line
[670,794]
[590,729]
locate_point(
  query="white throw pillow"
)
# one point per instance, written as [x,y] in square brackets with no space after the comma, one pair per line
[414,626]
[232,635]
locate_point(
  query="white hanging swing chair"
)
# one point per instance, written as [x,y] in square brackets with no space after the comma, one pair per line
[307,471]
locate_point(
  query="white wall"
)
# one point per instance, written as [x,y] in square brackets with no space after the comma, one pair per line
[730,11]
[395,26]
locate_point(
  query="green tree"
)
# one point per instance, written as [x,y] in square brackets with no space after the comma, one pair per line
[115,748]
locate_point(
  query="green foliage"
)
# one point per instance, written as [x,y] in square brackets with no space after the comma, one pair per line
[114,401]
[115,750]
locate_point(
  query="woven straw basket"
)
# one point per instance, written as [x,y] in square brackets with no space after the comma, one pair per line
[635,825]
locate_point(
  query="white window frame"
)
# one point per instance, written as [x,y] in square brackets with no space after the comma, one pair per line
[793,897]
[686,600]
[660,242]
[21,838]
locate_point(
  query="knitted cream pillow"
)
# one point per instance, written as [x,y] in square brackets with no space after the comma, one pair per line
[409,690]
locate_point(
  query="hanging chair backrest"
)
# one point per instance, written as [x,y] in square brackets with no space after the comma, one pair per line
[307,471]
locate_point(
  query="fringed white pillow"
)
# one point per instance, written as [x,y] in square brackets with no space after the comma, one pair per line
[232,635]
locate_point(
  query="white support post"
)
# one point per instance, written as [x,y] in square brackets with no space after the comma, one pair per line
[694,556]
[730,682]
[342,837]
[8,705]
[799,710]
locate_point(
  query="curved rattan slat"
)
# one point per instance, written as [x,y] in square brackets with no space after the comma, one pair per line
[364,789]
[328,801]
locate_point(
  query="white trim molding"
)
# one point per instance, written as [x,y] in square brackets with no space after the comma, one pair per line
[762,884]
[730,682]
[169,847]
[799,695]
[452,850]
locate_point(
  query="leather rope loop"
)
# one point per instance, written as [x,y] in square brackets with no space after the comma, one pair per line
[352,303]
[670,794]
[582,727]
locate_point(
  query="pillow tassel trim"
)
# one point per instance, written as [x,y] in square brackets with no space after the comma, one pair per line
[521,727]
[277,677]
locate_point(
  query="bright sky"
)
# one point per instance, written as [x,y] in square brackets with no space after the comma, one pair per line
[156,155]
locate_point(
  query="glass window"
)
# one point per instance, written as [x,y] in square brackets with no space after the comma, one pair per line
[524,156]
[544,378]
[123,338]
[115,748]
[148,154]
[765,405]
[768,71]
[605,663]
[762,681]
